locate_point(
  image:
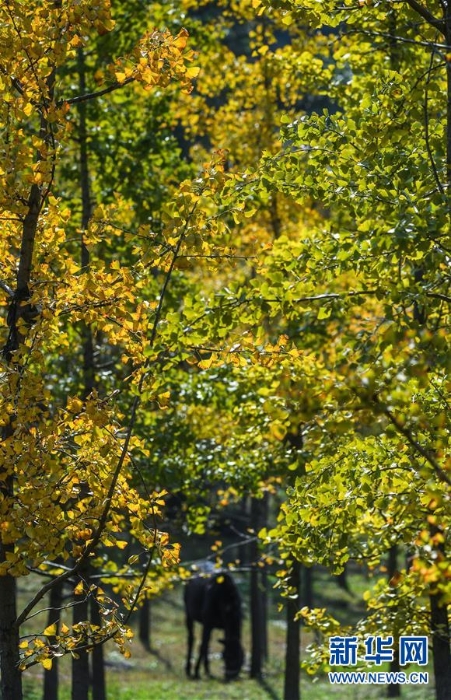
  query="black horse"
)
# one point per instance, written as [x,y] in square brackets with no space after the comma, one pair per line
[216,603]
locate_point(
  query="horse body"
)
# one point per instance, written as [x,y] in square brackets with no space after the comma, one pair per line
[214,602]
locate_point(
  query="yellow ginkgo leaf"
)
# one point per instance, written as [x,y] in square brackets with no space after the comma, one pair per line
[192,72]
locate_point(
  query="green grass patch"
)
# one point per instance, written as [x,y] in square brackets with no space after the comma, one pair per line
[160,675]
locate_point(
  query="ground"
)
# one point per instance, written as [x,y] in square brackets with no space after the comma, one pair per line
[160,675]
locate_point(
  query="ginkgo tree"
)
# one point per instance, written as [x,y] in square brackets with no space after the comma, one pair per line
[361,293]
[373,275]
[66,458]
[309,284]
[234,434]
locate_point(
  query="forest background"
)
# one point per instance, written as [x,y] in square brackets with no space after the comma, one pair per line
[225,277]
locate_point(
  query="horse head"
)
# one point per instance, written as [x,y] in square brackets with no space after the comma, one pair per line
[233,656]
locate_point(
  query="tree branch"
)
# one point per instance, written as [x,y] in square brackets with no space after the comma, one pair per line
[100,527]
[436,295]
[90,548]
[414,443]
[402,39]
[93,95]
[426,127]
[428,16]
[6,289]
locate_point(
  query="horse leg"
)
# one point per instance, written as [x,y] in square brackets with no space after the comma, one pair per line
[206,643]
[203,651]
[190,628]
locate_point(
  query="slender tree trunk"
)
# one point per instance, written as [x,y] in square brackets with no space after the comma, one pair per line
[98,665]
[81,678]
[258,620]
[439,613]
[265,643]
[11,677]
[441,639]
[11,681]
[291,690]
[307,597]
[144,624]
[441,648]
[393,689]
[51,676]
[342,579]
[80,665]
[256,625]
[264,584]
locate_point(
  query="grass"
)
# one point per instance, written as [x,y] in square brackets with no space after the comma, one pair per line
[160,675]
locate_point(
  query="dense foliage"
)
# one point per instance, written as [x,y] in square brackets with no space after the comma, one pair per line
[235,289]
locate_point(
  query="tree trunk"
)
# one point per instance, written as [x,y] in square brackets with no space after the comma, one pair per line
[98,666]
[441,648]
[393,689]
[342,579]
[439,613]
[144,624]
[11,677]
[51,676]
[291,690]
[265,643]
[80,665]
[307,598]
[256,625]
[264,583]
[258,617]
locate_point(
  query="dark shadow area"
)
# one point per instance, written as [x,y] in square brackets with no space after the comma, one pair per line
[269,690]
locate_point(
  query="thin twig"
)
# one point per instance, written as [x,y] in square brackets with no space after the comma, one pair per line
[93,95]
[6,288]
[405,40]
[414,443]
[426,126]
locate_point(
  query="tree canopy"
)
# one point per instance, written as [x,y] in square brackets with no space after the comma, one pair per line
[224,265]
